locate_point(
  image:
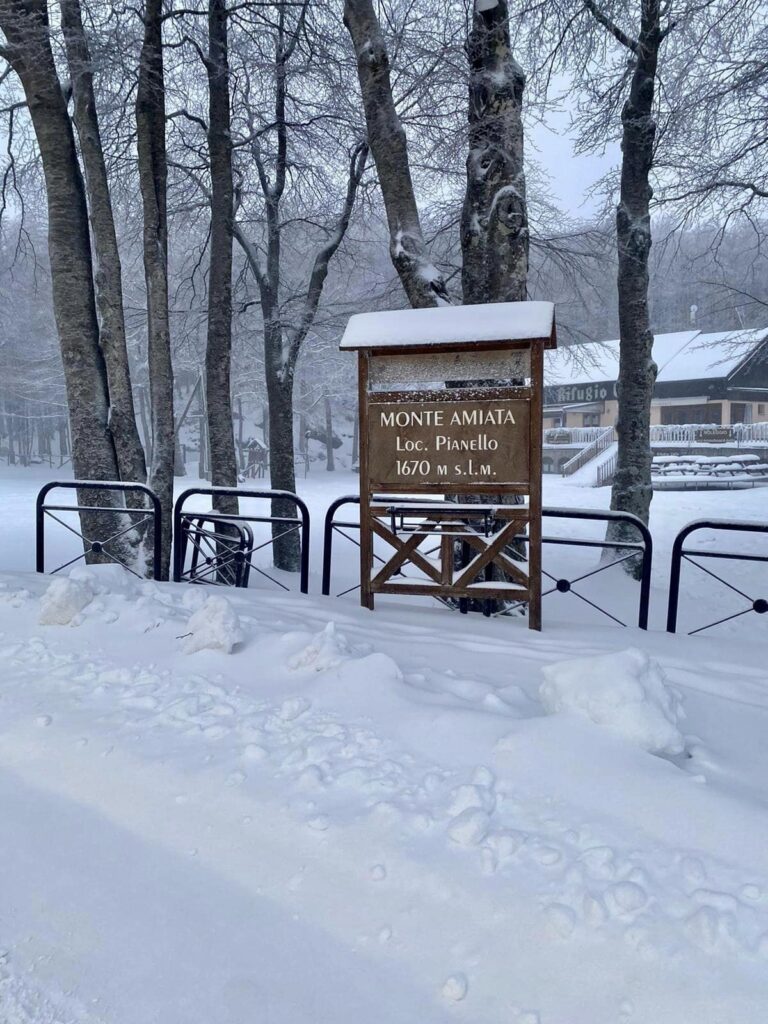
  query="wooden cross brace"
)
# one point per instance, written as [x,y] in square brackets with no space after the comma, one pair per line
[443,580]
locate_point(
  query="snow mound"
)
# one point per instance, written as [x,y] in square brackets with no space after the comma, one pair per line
[214,626]
[626,693]
[327,649]
[105,579]
[63,601]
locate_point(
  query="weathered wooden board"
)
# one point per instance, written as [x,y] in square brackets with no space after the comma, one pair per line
[411,370]
[454,444]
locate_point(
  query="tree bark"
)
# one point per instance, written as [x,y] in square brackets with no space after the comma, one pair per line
[219,341]
[28,50]
[153,177]
[108,270]
[330,463]
[494,221]
[423,282]
[632,489]
[282,472]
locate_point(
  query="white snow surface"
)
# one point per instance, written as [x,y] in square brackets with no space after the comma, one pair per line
[376,817]
[358,817]
[489,322]
[626,692]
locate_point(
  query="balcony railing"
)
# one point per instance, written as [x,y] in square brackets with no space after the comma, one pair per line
[712,433]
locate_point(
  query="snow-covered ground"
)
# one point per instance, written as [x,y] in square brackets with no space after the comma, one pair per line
[283,808]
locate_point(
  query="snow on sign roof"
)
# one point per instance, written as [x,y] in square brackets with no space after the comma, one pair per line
[685,355]
[450,325]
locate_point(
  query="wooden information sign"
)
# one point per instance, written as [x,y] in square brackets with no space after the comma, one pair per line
[434,445]
[435,425]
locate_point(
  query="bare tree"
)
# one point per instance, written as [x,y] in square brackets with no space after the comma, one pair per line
[153,177]
[28,51]
[494,220]
[614,49]
[423,282]
[108,270]
[714,165]
[282,342]
[219,342]
[632,490]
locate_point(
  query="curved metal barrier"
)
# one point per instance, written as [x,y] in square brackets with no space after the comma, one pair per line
[680,552]
[217,541]
[98,545]
[225,550]
[643,548]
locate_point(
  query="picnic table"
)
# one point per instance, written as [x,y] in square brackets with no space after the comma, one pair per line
[747,469]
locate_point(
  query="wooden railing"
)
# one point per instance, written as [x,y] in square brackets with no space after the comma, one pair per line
[604,440]
[606,471]
[571,435]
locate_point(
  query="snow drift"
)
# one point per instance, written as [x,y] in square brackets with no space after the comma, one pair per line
[626,693]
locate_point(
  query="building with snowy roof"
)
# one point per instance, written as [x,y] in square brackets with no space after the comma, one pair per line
[715,379]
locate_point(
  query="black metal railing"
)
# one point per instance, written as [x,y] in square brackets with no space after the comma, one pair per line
[219,550]
[758,605]
[642,548]
[333,525]
[99,546]
[223,551]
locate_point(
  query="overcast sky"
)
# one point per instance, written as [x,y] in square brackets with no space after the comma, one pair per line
[571,176]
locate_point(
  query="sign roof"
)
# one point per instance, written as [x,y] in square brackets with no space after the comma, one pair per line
[450,325]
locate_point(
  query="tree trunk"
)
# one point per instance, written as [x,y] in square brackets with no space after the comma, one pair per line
[145,422]
[494,221]
[422,281]
[303,423]
[179,462]
[329,460]
[202,459]
[632,489]
[221,439]
[108,270]
[153,176]
[28,50]
[282,472]
[240,435]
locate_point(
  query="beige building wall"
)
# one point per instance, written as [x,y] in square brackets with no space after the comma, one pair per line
[574,418]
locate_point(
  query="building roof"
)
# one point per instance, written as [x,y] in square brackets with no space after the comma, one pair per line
[685,355]
[450,325]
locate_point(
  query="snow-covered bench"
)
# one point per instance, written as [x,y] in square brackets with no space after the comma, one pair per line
[683,471]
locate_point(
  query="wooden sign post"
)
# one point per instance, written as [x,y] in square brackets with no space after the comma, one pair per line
[451,405]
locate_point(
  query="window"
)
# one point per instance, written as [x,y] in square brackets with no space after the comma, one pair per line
[712,412]
[741,412]
[590,419]
[761,410]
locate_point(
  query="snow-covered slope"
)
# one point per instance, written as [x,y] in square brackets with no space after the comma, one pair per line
[364,818]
